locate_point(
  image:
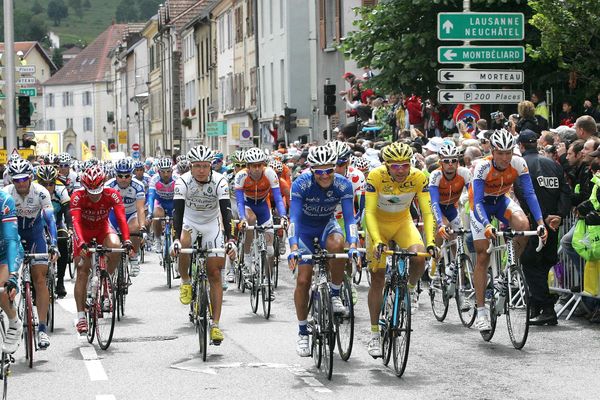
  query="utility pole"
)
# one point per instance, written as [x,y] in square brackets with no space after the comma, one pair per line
[9,77]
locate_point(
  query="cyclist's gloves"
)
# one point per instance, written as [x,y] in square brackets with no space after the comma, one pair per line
[378,250]
[294,255]
[444,232]
[53,250]
[11,284]
[127,245]
[542,232]
[353,253]
[433,251]
[175,247]
[490,231]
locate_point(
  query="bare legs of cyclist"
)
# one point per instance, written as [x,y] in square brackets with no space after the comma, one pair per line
[42,299]
[251,219]
[157,228]
[135,227]
[15,326]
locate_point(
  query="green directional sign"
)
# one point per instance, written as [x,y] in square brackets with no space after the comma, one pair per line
[481,26]
[480,54]
[31,92]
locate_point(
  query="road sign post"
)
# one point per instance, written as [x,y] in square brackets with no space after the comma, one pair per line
[481,54]
[481,76]
[480,26]
[481,96]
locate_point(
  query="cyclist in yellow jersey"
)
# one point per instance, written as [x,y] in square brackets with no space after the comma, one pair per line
[390,190]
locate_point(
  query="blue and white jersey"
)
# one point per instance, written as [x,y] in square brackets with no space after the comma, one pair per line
[130,194]
[161,192]
[30,207]
[11,251]
[312,207]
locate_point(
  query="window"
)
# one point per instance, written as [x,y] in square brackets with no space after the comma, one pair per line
[51,125]
[67,99]
[253,86]
[69,123]
[262,18]
[151,58]
[271,17]
[249,17]
[330,23]
[272,82]
[87,98]
[87,124]
[369,3]
[239,24]
[221,34]
[281,13]
[229,28]
[50,100]
[282,80]
[222,94]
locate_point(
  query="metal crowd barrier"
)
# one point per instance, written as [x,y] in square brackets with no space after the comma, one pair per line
[567,278]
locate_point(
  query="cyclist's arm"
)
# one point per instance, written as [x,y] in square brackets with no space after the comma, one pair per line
[119,210]
[371,211]
[66,212]
[76,214]
[48,215]
[225,206]
[480,173]
[10,233]
[241,204]
[349,221]
[295,214]
[425,207]
[150,200]
[276,190]
[531,198]
[178,209]
[434,193]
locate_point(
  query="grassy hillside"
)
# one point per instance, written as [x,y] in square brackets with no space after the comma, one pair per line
[92,21]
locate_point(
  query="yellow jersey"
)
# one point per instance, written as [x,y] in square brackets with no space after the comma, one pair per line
[387,201]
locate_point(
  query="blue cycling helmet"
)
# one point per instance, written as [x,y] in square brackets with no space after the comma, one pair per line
[124,166]
[138,164]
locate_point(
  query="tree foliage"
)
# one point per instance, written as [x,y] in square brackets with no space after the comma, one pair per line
[398,39]
[37,8]
[126,12]
[57,11]
[57,58]
[569,35]
[77,7]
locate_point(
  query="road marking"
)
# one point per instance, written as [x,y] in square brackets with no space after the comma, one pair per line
[93,364]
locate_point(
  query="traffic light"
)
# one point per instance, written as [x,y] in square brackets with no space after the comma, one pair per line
[24,111]
[290,118]
[329,99]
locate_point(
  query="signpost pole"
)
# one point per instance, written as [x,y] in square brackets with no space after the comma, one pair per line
[467,8]
[9,89]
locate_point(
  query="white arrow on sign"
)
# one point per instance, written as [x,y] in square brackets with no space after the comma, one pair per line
[447,26]
[486,76]
[449,55]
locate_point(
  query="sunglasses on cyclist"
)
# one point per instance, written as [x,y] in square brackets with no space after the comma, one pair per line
[19,180]
[124,176]
[450,160]
[325,171]
[47,183]
[64,165]
[341,162]
[396,166]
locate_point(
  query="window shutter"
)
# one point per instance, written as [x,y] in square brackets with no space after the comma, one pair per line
[369,3]
[322,37]
[338,20]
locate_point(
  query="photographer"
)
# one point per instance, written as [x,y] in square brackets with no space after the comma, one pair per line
[498,120]
[527,118]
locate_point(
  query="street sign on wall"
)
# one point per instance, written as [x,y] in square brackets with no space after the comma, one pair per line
[484,76]
[481,26]
[122,137]
[217,128]
[26,80]
[29,91]
[480,54]
[481,96]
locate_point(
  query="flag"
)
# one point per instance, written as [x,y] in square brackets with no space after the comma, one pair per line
[105,152]
[86,153]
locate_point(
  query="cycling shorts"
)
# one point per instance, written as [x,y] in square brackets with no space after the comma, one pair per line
[211,232]
[306,238]
[503,209]
[451,213]
[168,210]
[35,242]
[262,212]
[99,234]
[405,234]
[114,224]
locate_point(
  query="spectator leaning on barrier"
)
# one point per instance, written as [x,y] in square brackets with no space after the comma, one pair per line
[553,194]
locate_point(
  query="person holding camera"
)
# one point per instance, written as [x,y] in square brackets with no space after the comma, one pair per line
[527,119]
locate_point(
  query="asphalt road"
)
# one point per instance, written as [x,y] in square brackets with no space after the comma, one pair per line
[154,355]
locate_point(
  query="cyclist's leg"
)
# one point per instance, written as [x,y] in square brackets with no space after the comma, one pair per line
[134,227]
[514,215]
[184,259]
[251,218]
[62,261]
[377,268]
[214,265]
[158,212]
[482,260]
[303,280]
[332,239]
[83,265]
[112,241]
[264,218]
[5,303]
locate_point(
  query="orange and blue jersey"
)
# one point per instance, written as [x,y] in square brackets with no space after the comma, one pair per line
[445,193]
[255,194]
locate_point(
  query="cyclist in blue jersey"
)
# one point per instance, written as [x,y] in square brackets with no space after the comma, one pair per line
[314,199]
[160,198]
[34,213]
[11,255]
[140,174]
[134,199]
[218,165]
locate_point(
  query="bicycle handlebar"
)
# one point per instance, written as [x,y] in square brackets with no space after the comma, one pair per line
[36,256]
[511,234]
[106,250]
[209,251]
[407,253]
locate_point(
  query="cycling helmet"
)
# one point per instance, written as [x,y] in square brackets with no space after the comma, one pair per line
[396,152]
[165,163]
[92,179]
[64,158]
[20,169]
[123,166]
[502,139]
[238,157]
[255,155]
[448,151]
[50,159]
[200,153]
[138,164]
[321,155]
[183,166]
[219,156]
[362,164]
[277,166]
[149,161]
[180,158]
[14,157]
[342,150]
[90,163]
[46,173]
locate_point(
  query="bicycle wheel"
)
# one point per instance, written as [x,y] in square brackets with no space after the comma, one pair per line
[517,307]
[4,374]
[490,302]
[91,320]
[327,330]
[401,328]
[202,318]
[167,263]
[240,276]
[120,288]
[255,288]
[464,291]
[29,326]
[275,269]
[316,344]
[70,258]
[438,294]
[385,324]
[265,285]
[52,296]
[105,311]
[357,277]
[345,323]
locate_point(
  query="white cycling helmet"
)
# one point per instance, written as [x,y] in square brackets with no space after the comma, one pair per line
[502,139]
[165,163]
[448,151]
[322,155]
[20,168]
[342,150]
[200,153]
[255,155]
[362,164]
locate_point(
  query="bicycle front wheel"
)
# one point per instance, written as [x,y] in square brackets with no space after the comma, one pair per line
[52,296]
[385,324]
[265,285]
[327,330]
[517,307]
[167,263]
[105,311]
[202,318]
[254,289]
[316,349]
[29,326]
[401,329]
[275,270]
[345,323]
[438,294]
[490,302]
[465,291]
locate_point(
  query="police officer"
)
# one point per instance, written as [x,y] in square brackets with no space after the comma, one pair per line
[553,194]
